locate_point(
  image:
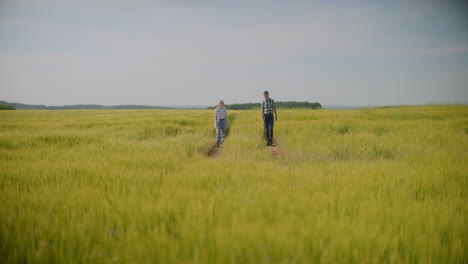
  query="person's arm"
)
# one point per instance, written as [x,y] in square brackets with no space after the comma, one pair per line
[215,119]
[262,108]
[274,110]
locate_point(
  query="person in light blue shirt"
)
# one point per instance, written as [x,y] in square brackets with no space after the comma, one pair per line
[221,122]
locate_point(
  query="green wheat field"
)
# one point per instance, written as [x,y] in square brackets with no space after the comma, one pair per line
[373,185]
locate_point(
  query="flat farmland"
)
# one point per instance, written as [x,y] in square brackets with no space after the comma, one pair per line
[376,185]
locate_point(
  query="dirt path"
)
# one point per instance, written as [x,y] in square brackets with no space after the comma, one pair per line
[276,150]
[215,151]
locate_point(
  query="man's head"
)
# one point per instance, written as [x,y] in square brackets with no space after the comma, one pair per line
[221,103]
[266,94]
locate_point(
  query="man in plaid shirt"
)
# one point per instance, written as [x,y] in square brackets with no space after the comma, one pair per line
[268,109]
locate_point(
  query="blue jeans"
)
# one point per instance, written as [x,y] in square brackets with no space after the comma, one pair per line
[268,122]
[221,130]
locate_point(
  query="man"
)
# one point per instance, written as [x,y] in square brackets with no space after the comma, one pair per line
[220,122]
[268,109]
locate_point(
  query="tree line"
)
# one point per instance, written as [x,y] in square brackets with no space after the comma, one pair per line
[77,107]
[6,107]
[279,105]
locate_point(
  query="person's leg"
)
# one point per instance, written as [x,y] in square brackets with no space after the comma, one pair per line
[268,124]
[265,128]
[222,125]
[218,134]
[271,130]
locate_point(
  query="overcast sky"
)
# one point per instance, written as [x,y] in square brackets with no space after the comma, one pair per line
[196,52]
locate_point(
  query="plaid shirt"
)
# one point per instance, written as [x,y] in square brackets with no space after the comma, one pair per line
[268,106]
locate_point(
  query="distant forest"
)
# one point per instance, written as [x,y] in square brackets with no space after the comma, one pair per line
[245,106]
[279,105]
[89,106]
[6,107]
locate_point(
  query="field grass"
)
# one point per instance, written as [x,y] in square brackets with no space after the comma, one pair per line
[378,185]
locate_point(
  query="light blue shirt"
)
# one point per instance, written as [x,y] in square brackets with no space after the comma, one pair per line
[220,113]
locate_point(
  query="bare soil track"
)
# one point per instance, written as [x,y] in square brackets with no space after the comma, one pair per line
[215,151]
[276,150]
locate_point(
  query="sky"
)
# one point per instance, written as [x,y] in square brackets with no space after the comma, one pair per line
[196,52]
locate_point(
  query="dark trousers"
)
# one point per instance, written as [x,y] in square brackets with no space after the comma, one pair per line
[268,122]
